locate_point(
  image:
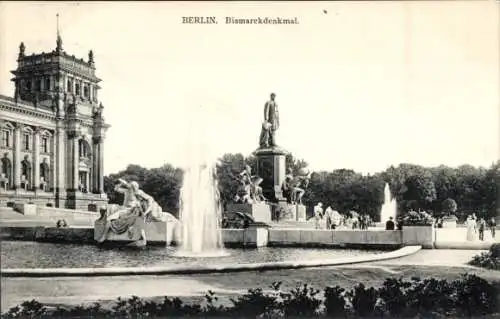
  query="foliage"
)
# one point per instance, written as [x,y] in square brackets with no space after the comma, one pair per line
[413,218]
[449,206]
[473,190]
[469,296]
[162,183]
[489,259]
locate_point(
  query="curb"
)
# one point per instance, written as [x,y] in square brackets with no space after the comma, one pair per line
[134,271]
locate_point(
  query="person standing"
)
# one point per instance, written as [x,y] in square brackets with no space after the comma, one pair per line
[318,213]
[481,227]
[471,228]
[493,226]
[328,215]
[389,225]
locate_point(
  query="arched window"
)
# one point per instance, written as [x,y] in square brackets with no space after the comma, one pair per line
[47,84]
[77,89]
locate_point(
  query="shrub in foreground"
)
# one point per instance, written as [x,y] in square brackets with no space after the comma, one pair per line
[489,259]
[469,296]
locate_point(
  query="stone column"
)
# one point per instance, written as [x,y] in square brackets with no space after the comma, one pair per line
[75,160]
[60,155]
[52,163]
[95,165]
[91,92]
[17,156]
[36,159]
[101,165]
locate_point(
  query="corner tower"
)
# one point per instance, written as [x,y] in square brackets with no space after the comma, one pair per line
[56,94]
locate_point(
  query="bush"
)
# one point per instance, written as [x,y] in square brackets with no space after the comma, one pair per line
[469,296]
[489,259]
[449,206]
[414,218]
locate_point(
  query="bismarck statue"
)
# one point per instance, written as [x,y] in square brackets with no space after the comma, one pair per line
[271,123]
[138,220]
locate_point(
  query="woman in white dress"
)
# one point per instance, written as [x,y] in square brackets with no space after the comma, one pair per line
[471,228]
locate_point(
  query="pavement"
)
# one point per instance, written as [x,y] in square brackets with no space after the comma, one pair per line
[77,290]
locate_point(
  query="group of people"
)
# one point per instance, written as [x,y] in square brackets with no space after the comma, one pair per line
[332,219]
[476,228]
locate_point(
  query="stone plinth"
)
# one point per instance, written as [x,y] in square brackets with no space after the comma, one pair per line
[261,212]
[419,235]
[293,212]
[249,237]
[449,224]
[156,232]
[25,209]
[301,213]
[271,167]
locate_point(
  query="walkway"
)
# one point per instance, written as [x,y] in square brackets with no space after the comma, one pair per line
[441,263]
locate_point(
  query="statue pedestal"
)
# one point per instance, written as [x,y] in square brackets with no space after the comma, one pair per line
[261,212]
[272,169]
[156,232]
[301,213]
[293,212]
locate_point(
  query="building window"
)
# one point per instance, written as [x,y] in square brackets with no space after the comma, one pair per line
[28,85]
[26,141]
[47,84]
[5,138]
[69,86]
[86,91]
[77,89]
[38,85]
[45,144]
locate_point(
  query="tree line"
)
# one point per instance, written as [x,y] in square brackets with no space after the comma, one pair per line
[460,191]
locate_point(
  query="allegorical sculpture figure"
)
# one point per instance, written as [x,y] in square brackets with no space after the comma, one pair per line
[136,205]
[271,123]
[249,190]
[294,186]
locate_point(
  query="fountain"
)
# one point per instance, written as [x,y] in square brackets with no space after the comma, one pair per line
[200,211]
[389,207]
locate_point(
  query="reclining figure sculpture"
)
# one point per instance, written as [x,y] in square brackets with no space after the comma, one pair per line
[138,209]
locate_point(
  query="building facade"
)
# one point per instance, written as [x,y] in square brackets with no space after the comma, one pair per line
[52,133]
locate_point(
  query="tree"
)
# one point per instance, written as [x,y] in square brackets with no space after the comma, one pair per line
[449,206]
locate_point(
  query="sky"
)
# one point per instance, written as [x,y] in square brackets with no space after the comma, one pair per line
[359,85]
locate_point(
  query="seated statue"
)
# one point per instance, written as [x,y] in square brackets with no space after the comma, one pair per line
[137,209]
[294,187]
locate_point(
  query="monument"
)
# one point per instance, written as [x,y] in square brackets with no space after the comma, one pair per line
[140,219]
[264,195]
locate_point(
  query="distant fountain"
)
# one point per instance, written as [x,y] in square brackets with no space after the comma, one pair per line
[200,211]
[389,207]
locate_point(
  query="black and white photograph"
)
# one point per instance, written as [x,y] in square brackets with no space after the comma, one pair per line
[249,159]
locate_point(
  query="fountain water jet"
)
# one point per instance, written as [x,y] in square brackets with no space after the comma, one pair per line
[200,211]
[389,207]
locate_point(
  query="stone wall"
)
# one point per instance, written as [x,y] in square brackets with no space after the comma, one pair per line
[167,233]
[249,237]
[339,238]
[70,215]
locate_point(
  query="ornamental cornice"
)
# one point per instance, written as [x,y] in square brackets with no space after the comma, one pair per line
[22,110]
